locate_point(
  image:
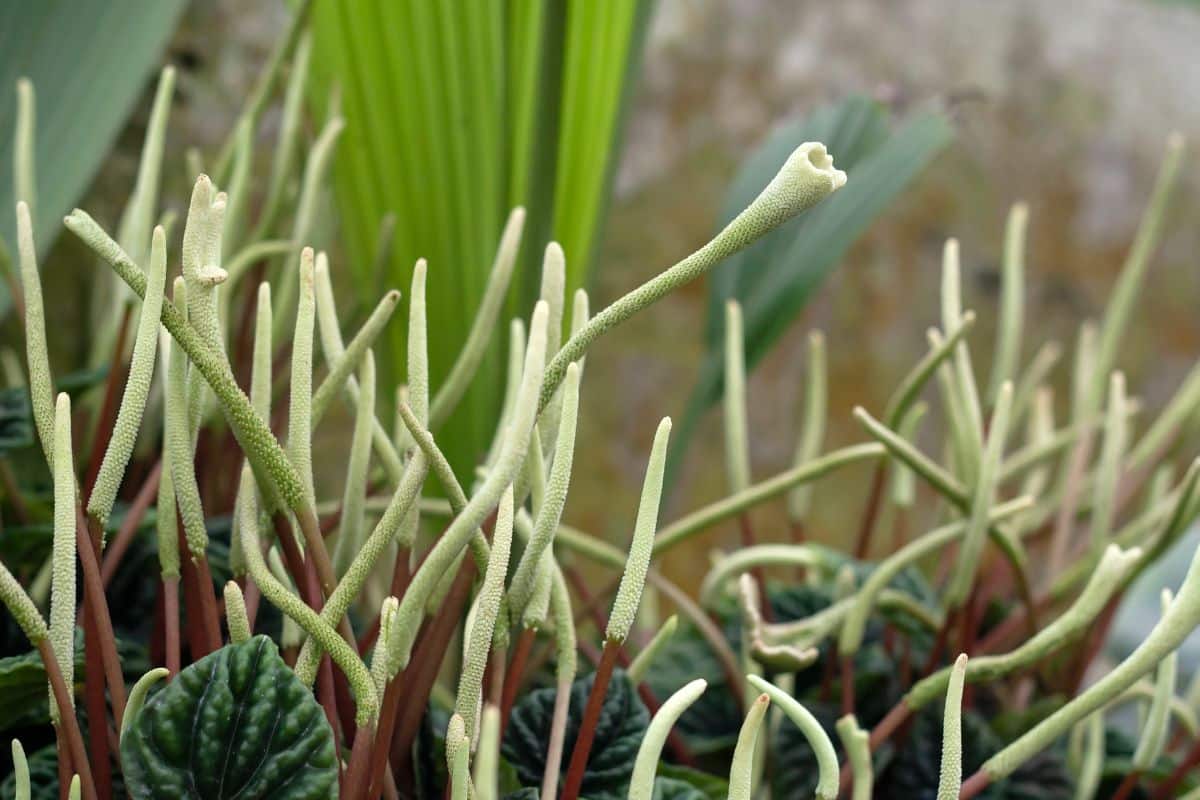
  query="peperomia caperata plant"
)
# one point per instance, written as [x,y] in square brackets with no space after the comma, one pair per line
[408,631]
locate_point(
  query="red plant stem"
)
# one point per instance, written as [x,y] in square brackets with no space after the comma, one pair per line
[328,697]
[367,640]
[68,725]
[847,685]
[1128,785]
[93,696]
[209,618]
[870,512]
[591,716]
[974,785]
[64,765]
[170,586]
[354,785]
[13,493]
[494,685]
[97,607]
[599,618]
[108,409]
[512,680]
[1167,788]
[191,605]
[939,643]
[130,524]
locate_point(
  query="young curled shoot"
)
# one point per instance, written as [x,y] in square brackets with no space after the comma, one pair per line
[827,762]
[641,784]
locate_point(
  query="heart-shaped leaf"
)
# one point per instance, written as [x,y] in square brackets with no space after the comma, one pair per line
[619,732]
[237,723]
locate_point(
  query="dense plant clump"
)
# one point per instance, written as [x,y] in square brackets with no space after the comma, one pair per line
[425,625]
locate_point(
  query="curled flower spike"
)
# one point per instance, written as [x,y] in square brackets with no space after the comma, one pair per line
[487,607]
[950,776]
[476,345]
[827,763]
[487,756]
[858,752]
[641,549]
[41,393]
[179,441]
[645,659]
[737,446]
[62,587]
[137,387]
[235,613]
[641,783]
[549,512]
[22,609]
[741,774]
[805,179]
[387,613]
[808,444]
[139,693]
[365,697]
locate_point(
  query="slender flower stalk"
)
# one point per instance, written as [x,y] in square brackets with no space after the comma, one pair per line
[812,431]
[741,773]
[645,659]
[1012,301]
[62,587]
[641,783]
[950,775]
[737,445]
[139,693]
[41,393]
[353,519]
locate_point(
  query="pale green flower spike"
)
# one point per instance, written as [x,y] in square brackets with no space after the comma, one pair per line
[458,759]
[741,773]
[387,613]
[1154,733]
[1175,414]
[984,499]
[353,519]
[1176,623]
[950,775]
[320,157]
[24,163]
[343,361]
[62,591]
[904,480]
[643,661]
[203,274]
[827,763]
[235,613]
[137,387]
[565,656]
[73,793]
[1108,576]
[856,743]
[137,219]
[549,511]
[165,522]
[580,313]
[418,353]
[808,443]
[487,755]
[260,367]
[299,432]
[737,446]
[1108,473]
[1133,273]
[691,524]
[964,373]
[641,548]
[911,386]
[252,433]
[21,607]
[641,782]
[498,480]
[538,608]
[1012,299]
[852,632]
[41,393]
[365,697]
[1091,768]
[20,772]
[487,607]
[138,694]
[512,382]
[476,345]
[805,179]
[179,439]
[553,291]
